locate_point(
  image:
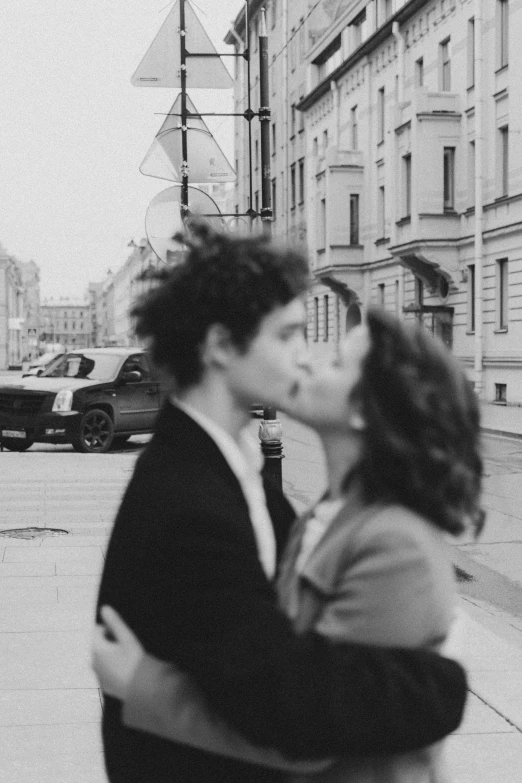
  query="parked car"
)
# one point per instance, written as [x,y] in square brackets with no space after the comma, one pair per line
[93,398]
[38,366]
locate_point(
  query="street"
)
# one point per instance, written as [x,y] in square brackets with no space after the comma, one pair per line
[50,707]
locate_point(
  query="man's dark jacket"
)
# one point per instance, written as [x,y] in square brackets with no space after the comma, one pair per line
[182,568]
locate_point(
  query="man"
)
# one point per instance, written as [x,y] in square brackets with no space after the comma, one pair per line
[194,546]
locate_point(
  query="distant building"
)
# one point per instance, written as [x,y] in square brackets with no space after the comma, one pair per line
[112,299]
[19,304]
[67,322]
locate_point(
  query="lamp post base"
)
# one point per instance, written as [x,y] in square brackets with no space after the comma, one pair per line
[270,435]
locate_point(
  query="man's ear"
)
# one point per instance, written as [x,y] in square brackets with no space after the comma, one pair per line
[217,346]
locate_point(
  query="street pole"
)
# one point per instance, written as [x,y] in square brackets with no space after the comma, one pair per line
[270,429]
[184,118]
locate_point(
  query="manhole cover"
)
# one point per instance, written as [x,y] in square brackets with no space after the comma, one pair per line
[32,532]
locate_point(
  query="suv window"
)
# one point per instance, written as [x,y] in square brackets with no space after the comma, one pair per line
[138,362]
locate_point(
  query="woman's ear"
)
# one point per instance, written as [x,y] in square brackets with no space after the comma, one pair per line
[216,347]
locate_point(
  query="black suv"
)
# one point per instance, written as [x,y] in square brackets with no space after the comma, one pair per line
[93,398]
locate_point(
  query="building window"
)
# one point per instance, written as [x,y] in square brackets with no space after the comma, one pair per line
[273,11]
[301,181]
[471,173]
[471,52]
[322,225]
[381,295]
[449,179]
[381,213]
[501,392]
[503,32]
[471,297]
[293,188]
[326,316]
[406,162]
[325,141]
[503,160]
[388,9]
[274,138]
[256,153]
[397,298]
[503,293]
[315,147]
[354,219]
[316,318]
[445,66]
[380,115]
[353,115]
[274,198]
[360,29]
[256,201]
[419,72]
[419,292]
[293,111]
[329,59]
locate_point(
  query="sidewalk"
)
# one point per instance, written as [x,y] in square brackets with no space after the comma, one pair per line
[501,419]
[50,706]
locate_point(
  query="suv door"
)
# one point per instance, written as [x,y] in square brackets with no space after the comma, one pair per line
[138,400]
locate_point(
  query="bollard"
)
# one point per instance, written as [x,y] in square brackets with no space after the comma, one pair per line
[270,435]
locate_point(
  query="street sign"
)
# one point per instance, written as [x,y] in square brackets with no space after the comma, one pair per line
[163,218]
[207,162]
[160,67]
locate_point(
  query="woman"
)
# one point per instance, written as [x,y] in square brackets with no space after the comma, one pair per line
[400,428]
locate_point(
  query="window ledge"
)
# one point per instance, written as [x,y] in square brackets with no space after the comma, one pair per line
[502,330]
[403,221]
[502,68]
[499,402]
[382,241]
[470,332]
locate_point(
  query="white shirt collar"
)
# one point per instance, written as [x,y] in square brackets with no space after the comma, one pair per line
[242,456]
[245,461]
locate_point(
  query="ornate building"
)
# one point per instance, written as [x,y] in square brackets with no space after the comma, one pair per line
[407,173]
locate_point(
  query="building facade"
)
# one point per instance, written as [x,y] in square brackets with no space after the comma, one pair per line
[19,310]
[65,323]
[412,188]
[111,300]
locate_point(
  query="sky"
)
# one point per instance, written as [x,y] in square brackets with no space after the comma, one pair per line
[73,130]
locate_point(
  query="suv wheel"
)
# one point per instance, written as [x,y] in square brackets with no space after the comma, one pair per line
[96,433]
[13,444]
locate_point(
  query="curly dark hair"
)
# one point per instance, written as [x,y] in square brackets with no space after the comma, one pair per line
[421,443]
[224,278]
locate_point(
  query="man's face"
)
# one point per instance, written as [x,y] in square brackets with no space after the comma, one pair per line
[272,365]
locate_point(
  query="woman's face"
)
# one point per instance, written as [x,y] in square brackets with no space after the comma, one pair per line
[322,398]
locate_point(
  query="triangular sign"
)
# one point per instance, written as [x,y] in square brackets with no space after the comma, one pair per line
[161,64]
[206,161]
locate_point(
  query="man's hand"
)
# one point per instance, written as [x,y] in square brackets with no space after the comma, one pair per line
[116,653]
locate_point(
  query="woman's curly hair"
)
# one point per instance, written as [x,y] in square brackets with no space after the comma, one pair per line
[421,444]
[224,278]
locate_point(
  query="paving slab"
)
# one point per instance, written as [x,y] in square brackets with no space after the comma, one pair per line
[485,758]
[479,718]
[34,661]
[29,618]
[25,707]
[67,753]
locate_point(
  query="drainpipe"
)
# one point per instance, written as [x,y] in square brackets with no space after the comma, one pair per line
[395,174]
[400,59]
[337,123]
[479,205]
[286,124]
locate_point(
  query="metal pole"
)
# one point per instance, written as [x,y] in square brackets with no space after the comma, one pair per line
[264,118]
[479,197]
[184,119]
[270,430]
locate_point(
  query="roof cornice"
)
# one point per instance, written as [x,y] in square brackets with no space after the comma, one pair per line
[371,43]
